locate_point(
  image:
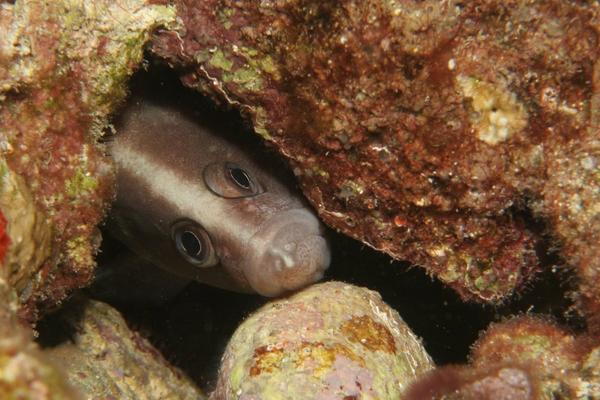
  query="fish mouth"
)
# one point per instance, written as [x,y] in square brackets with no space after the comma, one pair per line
[287,253]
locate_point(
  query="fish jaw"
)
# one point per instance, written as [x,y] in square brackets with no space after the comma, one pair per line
[288,252]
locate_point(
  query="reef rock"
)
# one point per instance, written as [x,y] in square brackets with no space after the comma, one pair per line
[63,67]
[524,358]
[425,129]
[330,341]
[25,373]
[105,359]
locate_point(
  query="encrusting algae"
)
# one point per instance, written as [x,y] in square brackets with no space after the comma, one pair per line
[330,341]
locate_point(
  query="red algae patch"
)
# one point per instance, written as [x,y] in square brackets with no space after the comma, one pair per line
[4,239]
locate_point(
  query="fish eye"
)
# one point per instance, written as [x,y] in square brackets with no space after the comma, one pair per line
[193,243]
[240,177]
[230,181]
[190,244]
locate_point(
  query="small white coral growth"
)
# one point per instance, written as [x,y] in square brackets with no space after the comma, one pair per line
[497,115]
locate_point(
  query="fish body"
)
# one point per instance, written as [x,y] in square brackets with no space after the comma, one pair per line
[193,203]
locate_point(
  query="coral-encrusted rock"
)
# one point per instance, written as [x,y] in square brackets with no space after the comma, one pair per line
[63,66]
[549,354]
[104,359]
[4,238]
[572,205]
[522,358]
[24,371]
[330,341]
[419,126]
[462,383]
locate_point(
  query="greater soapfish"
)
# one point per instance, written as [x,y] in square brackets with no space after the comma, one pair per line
[197,205]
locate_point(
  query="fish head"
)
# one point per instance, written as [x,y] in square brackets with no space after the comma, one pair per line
[201,206]
[271,239]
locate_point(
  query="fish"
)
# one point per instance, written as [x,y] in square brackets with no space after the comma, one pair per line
[199,206]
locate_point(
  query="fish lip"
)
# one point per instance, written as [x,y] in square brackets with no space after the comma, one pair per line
[289,251]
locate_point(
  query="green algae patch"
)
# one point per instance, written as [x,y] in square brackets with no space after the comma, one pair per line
[220,60]
[246,77]
[81,182]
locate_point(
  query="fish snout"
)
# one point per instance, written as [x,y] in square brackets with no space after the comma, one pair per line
[288,252]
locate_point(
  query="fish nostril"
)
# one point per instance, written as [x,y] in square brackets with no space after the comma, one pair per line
[282,258]
[301,258]
[289,247]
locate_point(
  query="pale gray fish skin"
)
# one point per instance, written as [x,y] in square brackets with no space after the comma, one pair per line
[268,243]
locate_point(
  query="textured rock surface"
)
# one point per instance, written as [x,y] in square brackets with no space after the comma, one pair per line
[63,66]
[330,341]
[422,128]
[104,359]
[24,372]
[425,129]
[522,358]
[26,230]
[572,201]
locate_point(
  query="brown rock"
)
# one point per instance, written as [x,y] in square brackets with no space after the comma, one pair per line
[420,127]
[25,373]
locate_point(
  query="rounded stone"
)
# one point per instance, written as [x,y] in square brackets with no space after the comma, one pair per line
[330,341]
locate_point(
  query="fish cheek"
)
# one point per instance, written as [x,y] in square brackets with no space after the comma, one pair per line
[145,239]
[235,235]
[231,255]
